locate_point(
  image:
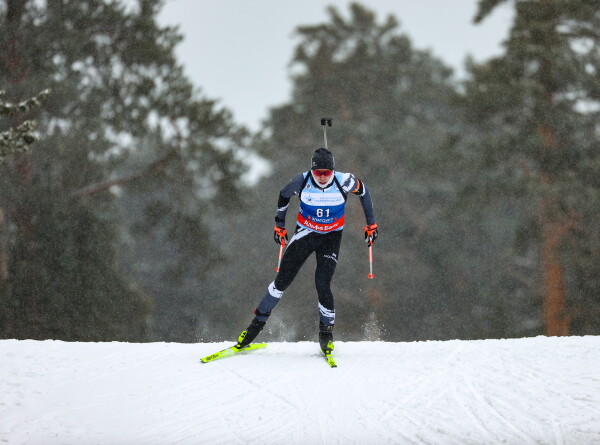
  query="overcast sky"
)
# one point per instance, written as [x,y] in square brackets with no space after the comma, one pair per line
[238,51]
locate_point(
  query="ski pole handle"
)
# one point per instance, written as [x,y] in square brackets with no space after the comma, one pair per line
[370,276]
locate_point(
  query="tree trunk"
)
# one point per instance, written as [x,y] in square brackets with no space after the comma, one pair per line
[9,57]
[553,229]
[21,163]
[555,306]
[3,255]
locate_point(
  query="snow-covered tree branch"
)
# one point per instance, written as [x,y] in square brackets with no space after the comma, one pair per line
[18,139]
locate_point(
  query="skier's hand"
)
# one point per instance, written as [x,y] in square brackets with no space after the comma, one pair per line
[371,234]
[280,235]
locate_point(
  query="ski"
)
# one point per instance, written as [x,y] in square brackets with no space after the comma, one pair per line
[327,350]
[330,361]
[228,352]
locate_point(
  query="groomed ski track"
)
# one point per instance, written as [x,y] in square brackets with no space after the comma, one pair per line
[525,391]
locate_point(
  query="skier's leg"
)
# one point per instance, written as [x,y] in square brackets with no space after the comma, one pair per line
[299,248]
[327,257]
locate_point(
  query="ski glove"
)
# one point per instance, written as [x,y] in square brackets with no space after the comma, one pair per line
[371,234]
[280,235]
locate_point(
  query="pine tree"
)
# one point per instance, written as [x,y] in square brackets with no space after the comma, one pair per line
[131,154]
[538,104]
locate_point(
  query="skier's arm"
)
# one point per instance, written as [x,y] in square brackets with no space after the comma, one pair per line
[367,204]
[355,186]
[371,231]
[286,193]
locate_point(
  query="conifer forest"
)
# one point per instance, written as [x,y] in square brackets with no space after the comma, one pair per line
[126,213]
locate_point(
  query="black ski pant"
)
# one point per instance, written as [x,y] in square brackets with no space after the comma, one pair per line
[326,247]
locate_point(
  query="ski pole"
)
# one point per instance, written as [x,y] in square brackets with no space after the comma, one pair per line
[280,255]
[371,276]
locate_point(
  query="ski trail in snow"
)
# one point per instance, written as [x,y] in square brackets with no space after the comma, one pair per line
[525,391]
[487,409]
[460,382]
[265,391]
[558,436]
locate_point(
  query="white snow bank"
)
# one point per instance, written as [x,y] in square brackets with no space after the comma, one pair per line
[526,391]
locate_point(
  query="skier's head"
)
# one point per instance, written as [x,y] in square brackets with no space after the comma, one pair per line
[322,159]
[322,164]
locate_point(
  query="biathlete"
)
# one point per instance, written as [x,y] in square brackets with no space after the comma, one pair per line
[322,192]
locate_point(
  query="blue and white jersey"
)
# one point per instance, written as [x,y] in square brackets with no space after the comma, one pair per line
[322,208]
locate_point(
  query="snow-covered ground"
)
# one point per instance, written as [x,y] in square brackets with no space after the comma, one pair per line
[527,391]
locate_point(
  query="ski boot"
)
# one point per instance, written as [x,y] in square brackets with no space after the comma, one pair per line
[326,338]
[247,336]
